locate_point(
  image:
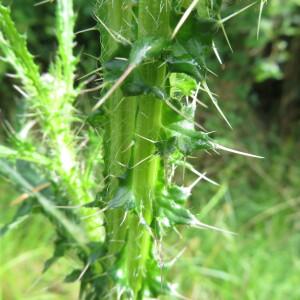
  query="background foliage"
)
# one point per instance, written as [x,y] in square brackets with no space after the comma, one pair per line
[259,88]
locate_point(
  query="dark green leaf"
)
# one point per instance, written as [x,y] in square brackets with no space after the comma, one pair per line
[146,48]
[21,215]
[123,198]
[59,251]
[73,276]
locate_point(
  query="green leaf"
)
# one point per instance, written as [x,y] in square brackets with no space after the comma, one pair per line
[180,61]
[7,152]
[13,45]
[166,147]
[187,138]
[181,85]
[25,151]
[73,276]
[61,246]
[20,216]
[124,198]
[61,218]
[97,251]
[178,194]
[114,68]
[146,48]
[154,282]
[198,50]
[207,8]
[170,205]
[206,28]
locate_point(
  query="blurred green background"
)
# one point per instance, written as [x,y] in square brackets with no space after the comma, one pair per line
[259,89]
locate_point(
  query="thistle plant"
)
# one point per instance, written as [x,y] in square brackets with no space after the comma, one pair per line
[109,185]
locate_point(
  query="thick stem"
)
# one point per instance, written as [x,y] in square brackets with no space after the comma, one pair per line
[153,20]
[119,148]
[144,178]
[121,112]
[131,119]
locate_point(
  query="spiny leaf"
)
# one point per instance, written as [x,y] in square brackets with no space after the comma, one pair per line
[146,48]
[184,63]
[181,85]
[177,214]
[124,198]
[75,231]
[188,139]
[22,154]
[205,30]
[14,47]
[143,49]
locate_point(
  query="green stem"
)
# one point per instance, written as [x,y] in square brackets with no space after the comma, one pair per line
[65,35]
[153,20]
[121,131]
[51,99]
[144,178]
[133,118]
[121,111]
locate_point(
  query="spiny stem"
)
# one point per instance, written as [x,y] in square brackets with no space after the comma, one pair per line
[51,98]
[148,125]
[65,36]
[121,113]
